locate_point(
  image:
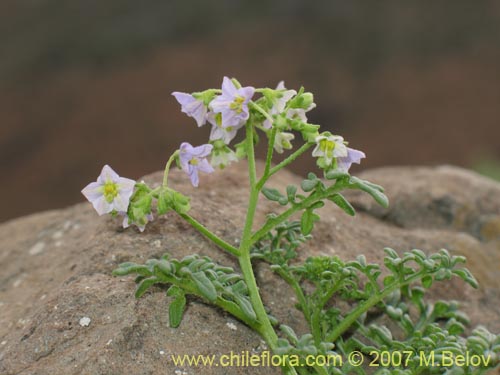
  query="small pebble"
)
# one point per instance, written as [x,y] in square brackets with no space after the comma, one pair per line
[3,342]
[85,321]
[57,235]
[162,352]
[232,326]
[37,248]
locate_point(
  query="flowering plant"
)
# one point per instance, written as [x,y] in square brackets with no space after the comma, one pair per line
[322,282]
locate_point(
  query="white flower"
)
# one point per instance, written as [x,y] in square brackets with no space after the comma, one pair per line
[221,158]
[299,113]
[282,141]
[330,147]
[279,103]
[110,192]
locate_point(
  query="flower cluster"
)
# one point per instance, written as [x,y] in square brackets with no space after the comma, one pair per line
[279,113]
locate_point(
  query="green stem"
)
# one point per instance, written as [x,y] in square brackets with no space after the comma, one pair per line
[270,150]
[291,158]
[315,327]
[269,172]
[211,236]
[265,327]
[261,110]
[271,223]
[299,293]
[350,318]
[167,168]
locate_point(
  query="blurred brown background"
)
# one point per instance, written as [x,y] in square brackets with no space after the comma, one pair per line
[85,83]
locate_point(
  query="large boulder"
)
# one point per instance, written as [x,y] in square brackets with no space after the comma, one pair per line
[61,311]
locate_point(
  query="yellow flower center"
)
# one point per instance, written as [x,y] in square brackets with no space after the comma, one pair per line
[327,147]
[110,191]
[237,104]
[193,161]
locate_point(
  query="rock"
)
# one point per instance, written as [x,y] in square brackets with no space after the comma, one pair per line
[56,270]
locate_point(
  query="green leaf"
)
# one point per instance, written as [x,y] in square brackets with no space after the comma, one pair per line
[388,280]
[246,307]
[309,185]
[273,194]
[335,174]
[343,203]
[144,286]
[307,221]
[174,291]
[204,285]
[129,267]
[165,201]
[427,281]
[466,276]
[291,190]
[176,309]
[370,188]
[181,203]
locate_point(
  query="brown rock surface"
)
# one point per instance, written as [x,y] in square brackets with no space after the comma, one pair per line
[56,269]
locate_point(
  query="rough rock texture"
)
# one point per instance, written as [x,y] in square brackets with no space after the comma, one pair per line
[55,270]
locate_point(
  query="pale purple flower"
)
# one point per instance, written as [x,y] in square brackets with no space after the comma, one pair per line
[110,192]
[329,147]
[233,103]
[126,221]
[192,107]
[353,156]
[218,131]
[194,159]
[279,102]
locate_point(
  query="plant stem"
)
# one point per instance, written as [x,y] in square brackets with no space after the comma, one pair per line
[270,150]
[167,168]
[269,172]
[290,158]
[261,110]
[350,318]
[271,223]
[299,293]
[211,236]
[265,327]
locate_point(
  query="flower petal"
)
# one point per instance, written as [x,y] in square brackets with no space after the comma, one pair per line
[205,166]
[107,174]
[102,206]
[92,191]
[193,175]
[228,87]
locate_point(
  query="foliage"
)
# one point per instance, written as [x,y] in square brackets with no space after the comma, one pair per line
[357,311]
